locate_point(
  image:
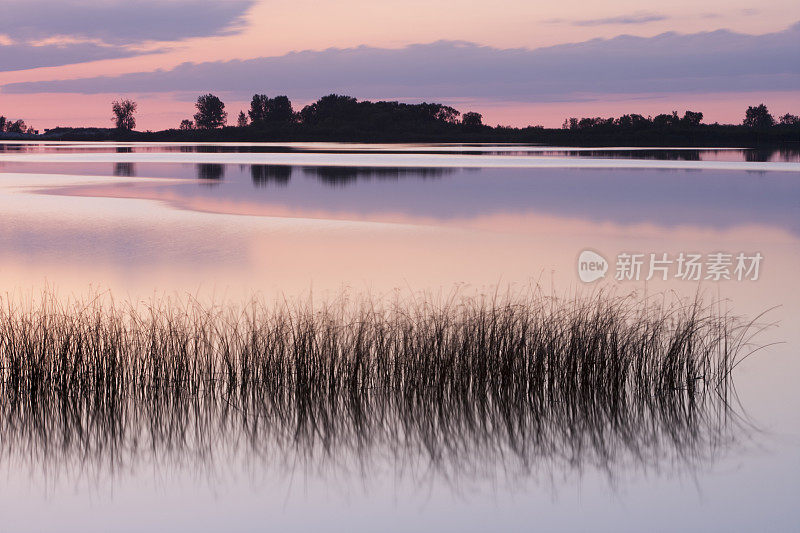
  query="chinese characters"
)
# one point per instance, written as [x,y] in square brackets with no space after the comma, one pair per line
[717,266]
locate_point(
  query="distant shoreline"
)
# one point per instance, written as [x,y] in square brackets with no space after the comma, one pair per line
[699,136]
[341,118]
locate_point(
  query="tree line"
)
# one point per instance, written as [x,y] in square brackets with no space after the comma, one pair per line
[15,126]
[756,117]
[341,117]
[332,110]
[336,110]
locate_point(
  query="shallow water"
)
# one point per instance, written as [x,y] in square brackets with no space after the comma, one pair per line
[225,222]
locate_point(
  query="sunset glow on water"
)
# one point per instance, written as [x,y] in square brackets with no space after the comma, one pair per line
[276,231]
[399,265]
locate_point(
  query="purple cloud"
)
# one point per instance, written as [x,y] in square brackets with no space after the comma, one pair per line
[635,18]
[119,21]
[719,61]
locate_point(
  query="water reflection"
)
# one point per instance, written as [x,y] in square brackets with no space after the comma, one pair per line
[58,432]
[210,171]
[264,175]
[125,169]
[703,198]
[343,175]
[761,154]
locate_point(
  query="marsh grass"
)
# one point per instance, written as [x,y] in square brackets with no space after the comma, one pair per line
[451,382]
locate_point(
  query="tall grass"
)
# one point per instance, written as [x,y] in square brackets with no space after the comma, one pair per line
[522,377]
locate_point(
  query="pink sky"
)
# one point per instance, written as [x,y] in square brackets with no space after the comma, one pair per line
[276,27]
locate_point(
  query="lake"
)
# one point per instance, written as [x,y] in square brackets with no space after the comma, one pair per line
[335,222]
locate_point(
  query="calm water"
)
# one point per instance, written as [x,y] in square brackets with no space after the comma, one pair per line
[225,222]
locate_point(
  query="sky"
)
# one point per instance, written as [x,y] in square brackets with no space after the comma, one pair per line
[517,62]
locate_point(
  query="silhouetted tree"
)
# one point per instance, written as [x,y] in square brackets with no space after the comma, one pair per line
[2,123]
[242,120]
[472,119]
[632,122]
[258,109]
[448,114]
[596,122]
[18,126]
[264,109]
[758,117]
[330,108]
[439,112]
[666,121]
[790,120]
[124,110]
[279,109]
[346,116]
[210,112]
[186,124]
[692,118]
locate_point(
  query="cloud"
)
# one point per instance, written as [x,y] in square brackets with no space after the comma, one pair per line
[23,56]
[635,18]
[719,61]
[119,22]
[638,18]
[47,33]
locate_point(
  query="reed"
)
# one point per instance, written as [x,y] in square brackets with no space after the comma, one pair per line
[525,376]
